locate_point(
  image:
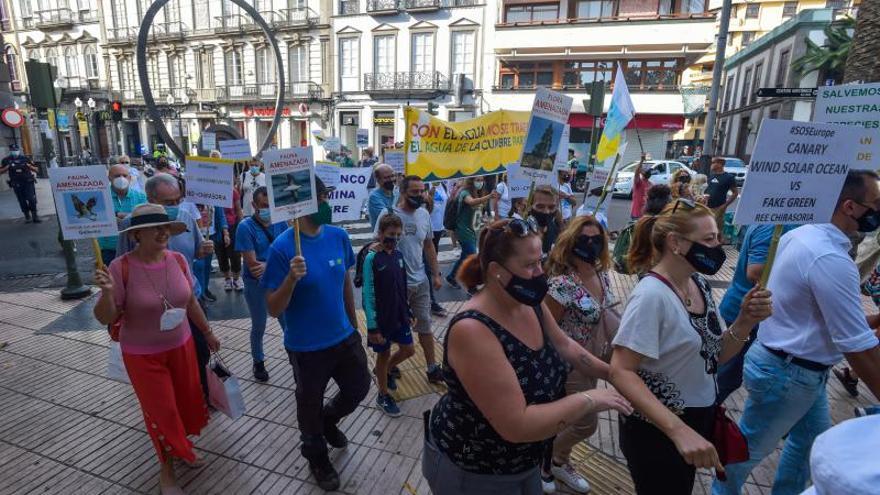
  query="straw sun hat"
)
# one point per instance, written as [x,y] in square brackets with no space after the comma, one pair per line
[149,215]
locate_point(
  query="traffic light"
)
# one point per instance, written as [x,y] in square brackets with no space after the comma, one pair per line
[432,108]
[116,110]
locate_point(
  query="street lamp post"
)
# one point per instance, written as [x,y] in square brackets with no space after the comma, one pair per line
[75,289]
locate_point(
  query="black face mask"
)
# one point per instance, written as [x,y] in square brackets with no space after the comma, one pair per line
[528,291]
[589,247]
[542,218]
[706,260]
[390,242]
[647,174]
[869,221]
[684,179]
[415,201]
[388,185]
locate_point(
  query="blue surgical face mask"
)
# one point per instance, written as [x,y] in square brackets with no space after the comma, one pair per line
[263,213]
[255,170]
[172,212]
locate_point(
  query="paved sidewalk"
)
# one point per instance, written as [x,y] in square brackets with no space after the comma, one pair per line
[65,428]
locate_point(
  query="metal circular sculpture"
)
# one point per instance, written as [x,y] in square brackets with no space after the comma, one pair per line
[150,102]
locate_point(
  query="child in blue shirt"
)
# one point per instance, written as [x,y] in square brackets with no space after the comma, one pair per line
[387,311]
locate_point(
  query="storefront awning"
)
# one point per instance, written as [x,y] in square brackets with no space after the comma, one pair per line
[641,121]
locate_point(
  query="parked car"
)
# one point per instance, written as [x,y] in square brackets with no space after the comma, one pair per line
[736,167]
[661,173]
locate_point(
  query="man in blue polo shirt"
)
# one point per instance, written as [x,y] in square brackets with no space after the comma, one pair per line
[320,330]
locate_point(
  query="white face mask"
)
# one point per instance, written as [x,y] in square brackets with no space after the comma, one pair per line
[120,183]
[171,318]
[478,185]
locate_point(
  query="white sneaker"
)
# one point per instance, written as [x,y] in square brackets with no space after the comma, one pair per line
[238,284]
[548,484]
[571,478]
[227,285]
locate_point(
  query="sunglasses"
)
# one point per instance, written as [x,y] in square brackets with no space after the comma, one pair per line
[520,228]
[689,203]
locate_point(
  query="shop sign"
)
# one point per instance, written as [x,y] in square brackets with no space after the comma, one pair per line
[384,121]
[250,111]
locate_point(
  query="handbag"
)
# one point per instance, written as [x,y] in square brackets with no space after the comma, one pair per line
[729,442]
[224,391]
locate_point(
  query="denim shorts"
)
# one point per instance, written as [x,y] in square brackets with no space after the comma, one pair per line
[403,336]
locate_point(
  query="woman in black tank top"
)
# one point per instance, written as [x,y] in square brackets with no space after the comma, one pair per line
[505,367]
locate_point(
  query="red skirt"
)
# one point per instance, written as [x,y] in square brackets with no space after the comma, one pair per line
[168,388]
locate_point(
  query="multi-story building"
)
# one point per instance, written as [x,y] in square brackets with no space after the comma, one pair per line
[568,44]
[393,53]
[209,63]
[66,34]
[766,63]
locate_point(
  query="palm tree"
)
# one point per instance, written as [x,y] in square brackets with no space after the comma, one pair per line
[830,58]
[863,63]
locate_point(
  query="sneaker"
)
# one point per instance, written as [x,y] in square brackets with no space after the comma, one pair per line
[391,383]
[260,373]
[452,283]
[867,411]
[388,406]
[37,219]
[238,284]
[325,474]
[210,296]
[334,436]
[227,285]
[849,383]
[435,375]
[548,483]
[438,310]
[570,478]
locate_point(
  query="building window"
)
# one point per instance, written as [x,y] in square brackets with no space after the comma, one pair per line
[205,69]
[835,4]
[666,7]
[384,57]
[153,71]
[25,8]
[71,64]
[531,12]
[746,81]
[90,54]
[580,74]
[265,65]
[753,10]
[594,9]
[176,71]
[423,52]
[782,68]
[11,62]
[693,6]
[728,94]
[789,9]
[527,75]
[202,19]
[651,73]
[234,73]
[349,68]
[463,48]
[123,66]
[756,83]
[298,62]
[747,38]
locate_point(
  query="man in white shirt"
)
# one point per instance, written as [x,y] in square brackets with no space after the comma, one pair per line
[501,205]
[817,321]
[566,195]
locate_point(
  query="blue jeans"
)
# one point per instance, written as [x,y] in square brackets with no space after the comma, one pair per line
[256,301]
[467,248]
[202,271]
[783,398]
[730,374]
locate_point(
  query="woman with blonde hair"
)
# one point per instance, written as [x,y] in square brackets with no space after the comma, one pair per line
[681,185]
[580,301]
[669,345]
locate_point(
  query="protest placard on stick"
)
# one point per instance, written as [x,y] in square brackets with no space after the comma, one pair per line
[235,149]
[209,181]
[83,202]
[290,177]
[547,122]
[856,105]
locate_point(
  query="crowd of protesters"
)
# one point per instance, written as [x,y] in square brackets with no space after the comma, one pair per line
[525,357]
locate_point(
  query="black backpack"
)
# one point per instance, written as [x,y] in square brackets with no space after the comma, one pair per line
[451,211]
[359,264]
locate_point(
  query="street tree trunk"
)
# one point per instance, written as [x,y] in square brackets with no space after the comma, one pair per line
[863,62]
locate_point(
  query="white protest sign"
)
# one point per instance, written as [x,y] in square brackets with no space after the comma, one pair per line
[518,184]
[363,138]
[394,158]
[855,105]
[235,149]
[351,190]
[548,118]
[209,181]
[209,141]
[328,172]
[796,172]
[290,177]
[596,179]
[83,202]
[561,161]
[333,144]
[44,127]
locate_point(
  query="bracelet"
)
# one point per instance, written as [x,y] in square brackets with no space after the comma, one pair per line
[737,337]
[589,398]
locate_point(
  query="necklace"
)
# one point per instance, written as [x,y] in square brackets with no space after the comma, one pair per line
[684,295]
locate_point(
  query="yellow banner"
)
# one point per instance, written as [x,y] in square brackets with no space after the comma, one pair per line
[436,149]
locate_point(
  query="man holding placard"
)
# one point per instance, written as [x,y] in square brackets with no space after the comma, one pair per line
[307,279]
[125,198]
[817,313]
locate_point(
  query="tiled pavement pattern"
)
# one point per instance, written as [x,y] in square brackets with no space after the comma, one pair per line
[65,428]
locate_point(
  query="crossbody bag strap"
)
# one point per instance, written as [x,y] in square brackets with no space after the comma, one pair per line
[265,231]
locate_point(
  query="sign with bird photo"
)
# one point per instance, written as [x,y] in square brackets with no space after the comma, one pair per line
[83,203]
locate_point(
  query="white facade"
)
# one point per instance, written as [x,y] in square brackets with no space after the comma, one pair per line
[390,53]
[211,51]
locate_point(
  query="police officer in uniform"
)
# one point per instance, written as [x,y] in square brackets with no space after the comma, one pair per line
[23,181]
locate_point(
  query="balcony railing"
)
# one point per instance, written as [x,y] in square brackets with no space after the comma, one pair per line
[166,31]
[80,84]
[383,7]
[347,7]
[233,23]
[419,82]
[87,16]
[28,22]
[636,88]
[422,5]
[121,35]
[303,16]
[295,90]
[55,18]
[465,3]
